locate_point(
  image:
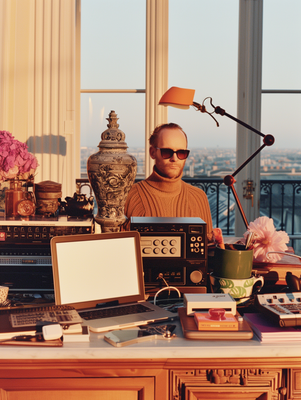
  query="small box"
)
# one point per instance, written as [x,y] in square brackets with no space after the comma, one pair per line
[202,302]
[204,322]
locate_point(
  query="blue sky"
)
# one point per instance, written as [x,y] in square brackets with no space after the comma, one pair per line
[203,41]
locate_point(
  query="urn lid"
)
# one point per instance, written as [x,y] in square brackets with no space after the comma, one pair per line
[48,186]
[112,137]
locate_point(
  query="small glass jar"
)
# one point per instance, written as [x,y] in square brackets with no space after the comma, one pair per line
[13,196]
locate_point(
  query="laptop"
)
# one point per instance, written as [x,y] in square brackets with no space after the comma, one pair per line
[100,274]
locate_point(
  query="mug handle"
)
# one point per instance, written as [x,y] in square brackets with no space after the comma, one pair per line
[257,288]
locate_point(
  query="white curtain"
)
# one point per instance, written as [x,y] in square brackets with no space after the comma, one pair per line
[37,84]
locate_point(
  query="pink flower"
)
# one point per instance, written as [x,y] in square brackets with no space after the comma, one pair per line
[15,160]
[10,174]
[267,239]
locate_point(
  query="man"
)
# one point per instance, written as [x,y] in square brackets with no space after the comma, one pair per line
[164,193]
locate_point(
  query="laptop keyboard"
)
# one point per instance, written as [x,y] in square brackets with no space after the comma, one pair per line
[114,311]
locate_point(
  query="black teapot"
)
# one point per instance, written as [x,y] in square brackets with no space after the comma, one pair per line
[79,205]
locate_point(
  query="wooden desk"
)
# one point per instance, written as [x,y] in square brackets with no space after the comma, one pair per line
[163,370]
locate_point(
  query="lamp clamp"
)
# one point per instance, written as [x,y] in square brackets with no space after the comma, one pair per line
[202,109]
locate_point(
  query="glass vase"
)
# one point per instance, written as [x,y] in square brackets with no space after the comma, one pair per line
[13,196]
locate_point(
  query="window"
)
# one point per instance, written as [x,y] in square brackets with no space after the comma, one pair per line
[112,70]
[203,52]
[202,56]
[281,81]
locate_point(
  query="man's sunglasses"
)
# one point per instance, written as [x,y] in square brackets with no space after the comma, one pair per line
[168,153]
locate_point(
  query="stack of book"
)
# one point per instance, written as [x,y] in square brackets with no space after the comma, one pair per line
[28,321]
[276,272]
[76,333]
[268,331]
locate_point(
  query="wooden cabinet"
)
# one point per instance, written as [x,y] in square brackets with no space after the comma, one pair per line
[78,380]
[168,379]
[78,389]
[224,383]
[294,383]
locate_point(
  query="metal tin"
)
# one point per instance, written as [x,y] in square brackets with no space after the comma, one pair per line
[47,195]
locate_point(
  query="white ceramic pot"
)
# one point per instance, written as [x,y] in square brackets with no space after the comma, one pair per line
[237,288]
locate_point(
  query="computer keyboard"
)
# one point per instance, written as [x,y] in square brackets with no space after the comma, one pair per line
[114,311]
[63,315]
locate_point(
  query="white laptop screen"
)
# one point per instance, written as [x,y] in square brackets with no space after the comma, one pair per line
[94,268]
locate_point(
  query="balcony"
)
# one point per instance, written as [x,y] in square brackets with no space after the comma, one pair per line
[279,199]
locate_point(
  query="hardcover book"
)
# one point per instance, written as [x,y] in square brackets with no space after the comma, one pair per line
[268,331]
[204,321]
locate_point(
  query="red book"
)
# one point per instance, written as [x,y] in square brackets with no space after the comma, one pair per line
[205,322]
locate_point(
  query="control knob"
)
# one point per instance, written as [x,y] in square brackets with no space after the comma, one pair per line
[196,276]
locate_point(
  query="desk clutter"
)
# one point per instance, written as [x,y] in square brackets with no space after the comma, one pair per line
[202,317]
[156,254]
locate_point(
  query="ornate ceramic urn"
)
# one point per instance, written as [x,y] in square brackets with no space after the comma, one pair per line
[111,172]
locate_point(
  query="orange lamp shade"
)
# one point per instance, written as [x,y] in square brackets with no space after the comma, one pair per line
[178,97]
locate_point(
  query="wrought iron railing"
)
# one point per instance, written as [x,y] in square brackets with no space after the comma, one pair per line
[221,202]
[279,199]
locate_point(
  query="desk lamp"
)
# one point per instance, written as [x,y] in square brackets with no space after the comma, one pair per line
[183,98]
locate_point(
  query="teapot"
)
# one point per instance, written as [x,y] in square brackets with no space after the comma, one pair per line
[79,205]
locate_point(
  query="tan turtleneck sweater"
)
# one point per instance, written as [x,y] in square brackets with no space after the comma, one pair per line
[157,196]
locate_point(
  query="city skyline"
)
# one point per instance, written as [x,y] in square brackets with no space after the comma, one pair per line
[217,162]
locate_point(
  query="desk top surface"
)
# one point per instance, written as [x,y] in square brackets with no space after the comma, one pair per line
[175,348]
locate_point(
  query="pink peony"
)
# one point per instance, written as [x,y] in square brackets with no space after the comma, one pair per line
[267,239]
[10,174]
[15,160]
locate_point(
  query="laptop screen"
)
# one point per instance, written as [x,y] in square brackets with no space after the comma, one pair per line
[97,268]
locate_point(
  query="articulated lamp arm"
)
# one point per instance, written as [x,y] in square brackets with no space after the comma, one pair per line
[183,98]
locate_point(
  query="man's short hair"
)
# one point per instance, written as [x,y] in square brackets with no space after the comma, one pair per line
[153,140]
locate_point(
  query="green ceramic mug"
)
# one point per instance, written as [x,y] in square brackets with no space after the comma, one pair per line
[233,264]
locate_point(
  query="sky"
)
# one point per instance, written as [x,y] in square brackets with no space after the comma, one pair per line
[203,43]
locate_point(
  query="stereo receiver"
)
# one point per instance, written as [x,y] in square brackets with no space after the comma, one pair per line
[26,268]
[173,250]
[25,257]
[40,230]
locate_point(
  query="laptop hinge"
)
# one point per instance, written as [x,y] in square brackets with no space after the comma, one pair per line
[108,304]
